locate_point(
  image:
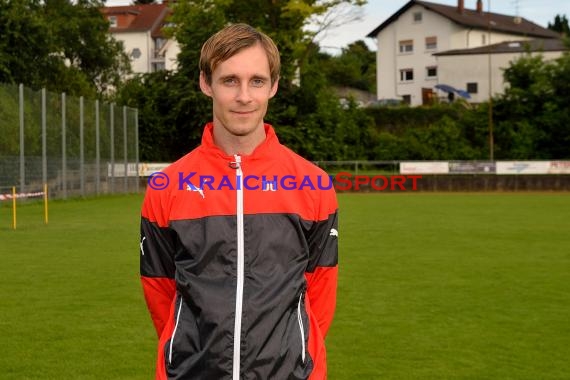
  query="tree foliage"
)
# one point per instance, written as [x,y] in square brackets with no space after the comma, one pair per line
[533,116]
[59,44]
[560,25]
[355,67]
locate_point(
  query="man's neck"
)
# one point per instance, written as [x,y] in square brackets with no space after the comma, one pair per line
[233,144]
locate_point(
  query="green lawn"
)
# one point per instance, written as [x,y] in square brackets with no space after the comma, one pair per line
[432,286]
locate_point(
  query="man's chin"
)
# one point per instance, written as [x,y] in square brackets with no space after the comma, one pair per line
[244,127]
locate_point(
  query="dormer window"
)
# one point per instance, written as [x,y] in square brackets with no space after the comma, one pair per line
[112,21]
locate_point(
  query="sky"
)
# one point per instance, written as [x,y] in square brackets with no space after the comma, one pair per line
[375,12]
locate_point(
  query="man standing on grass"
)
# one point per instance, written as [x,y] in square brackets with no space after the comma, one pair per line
[238,246]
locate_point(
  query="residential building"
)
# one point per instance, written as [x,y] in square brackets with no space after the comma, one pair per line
[140,28]
[470,68]
[407,67]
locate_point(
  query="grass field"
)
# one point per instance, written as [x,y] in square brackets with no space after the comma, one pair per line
[432,286]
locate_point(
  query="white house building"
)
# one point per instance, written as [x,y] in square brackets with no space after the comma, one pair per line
[139,27]
[410,43]
[470,68]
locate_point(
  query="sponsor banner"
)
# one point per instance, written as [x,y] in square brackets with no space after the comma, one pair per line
[145,169]
[426,167]
[465,167]
[523,167]
[559,167]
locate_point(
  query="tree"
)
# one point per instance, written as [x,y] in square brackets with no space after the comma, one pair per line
[82,37]
[560,25]
[26,43]
[355,67]
[533,121]
[59,44]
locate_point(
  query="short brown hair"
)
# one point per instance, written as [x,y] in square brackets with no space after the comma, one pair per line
[229,41]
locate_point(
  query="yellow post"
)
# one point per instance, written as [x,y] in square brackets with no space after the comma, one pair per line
[45,203]
[14,207]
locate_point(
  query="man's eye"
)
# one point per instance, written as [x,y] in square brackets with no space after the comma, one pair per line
[230,81]
[258,82]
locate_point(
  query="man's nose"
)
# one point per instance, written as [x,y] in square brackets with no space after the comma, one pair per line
[244,94]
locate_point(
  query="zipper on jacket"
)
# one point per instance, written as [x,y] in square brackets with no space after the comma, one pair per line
[174,332]
[240,269]
[300,319]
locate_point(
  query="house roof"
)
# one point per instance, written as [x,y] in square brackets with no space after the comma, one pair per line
[471,18]
[138,18]
[511,47]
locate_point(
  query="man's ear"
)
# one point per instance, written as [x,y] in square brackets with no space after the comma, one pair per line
[204,86]
[274,88]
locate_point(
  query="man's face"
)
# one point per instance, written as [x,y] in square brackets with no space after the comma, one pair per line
[240,91]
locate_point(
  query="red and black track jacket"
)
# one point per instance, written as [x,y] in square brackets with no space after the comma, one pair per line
[239,264]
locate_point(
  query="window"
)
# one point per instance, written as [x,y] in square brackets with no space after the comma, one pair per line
[158,66]
[112,21]
[431,72]
[158,44]
[431,43]
[483,39]
[418,17]
[406,75]
[407,46]
[472,88]
[407,99]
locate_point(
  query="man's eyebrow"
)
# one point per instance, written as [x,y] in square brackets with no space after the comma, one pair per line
[233,76]
[258,76]
[229,76]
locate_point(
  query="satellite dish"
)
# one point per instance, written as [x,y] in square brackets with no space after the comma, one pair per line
[136,53]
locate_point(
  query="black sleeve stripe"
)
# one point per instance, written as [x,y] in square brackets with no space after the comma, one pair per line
[323,243]
[157,247]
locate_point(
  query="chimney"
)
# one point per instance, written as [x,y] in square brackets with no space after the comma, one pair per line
[480,6]
[460,6]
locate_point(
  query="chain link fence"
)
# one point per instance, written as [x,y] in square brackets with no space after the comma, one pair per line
[75,146]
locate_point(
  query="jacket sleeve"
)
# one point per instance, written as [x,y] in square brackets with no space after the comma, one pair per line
[323,262]
[157,246]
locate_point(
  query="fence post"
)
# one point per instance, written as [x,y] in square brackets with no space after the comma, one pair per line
[97,150]
[22,156]
[44,138]
[137,148]
[63,146]
[125,157]
[81,149]
[112,133]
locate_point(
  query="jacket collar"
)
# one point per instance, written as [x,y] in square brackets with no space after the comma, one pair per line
[263,151]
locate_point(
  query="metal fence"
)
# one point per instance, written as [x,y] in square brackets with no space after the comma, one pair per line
[75,146]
